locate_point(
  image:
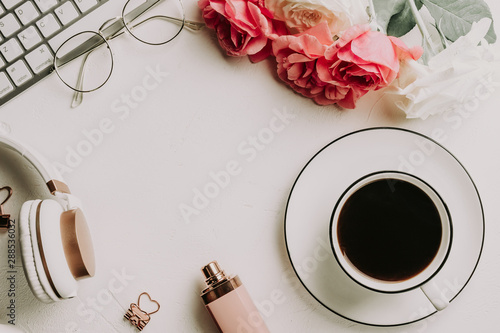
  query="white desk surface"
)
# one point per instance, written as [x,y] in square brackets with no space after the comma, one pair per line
[162,148]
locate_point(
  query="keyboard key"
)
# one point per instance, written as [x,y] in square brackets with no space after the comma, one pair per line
[26,12]
[5,85]
[10,3]
[29,37]
[85,5]
[19,73]
[66,13]
[30,31]
[11,49]
[48,25]
[39,59]
[45,5]
[8,25]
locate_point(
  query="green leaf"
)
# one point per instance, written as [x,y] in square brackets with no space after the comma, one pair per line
[455,17]
[395,16]
[385,10]
[402,23]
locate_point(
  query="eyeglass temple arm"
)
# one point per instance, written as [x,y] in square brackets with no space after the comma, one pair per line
[191,25]
[194,25]
[78,95]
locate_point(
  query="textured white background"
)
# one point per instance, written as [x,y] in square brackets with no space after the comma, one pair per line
[158,155]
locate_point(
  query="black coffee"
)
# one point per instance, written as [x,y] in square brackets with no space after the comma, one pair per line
[389,229]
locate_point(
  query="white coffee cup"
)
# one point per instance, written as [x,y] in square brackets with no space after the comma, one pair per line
[423,278]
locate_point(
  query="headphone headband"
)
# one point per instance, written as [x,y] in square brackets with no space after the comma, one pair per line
[50,175]
[55,240]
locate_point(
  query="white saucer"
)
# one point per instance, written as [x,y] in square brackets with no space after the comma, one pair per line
[322,182]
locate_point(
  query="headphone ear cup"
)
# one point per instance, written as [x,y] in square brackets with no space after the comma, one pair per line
[31,260]
[47,226]
[46,266]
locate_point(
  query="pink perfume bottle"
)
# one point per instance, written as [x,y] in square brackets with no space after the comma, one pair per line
[229,303]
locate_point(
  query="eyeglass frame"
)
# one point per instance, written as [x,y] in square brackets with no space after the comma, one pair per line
[102,36]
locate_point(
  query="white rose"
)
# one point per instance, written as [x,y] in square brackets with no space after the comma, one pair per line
[465,72]
[300,15]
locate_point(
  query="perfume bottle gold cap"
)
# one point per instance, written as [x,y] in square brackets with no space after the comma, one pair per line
[213,273]
[218,283]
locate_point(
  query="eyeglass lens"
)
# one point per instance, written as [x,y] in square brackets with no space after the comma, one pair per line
[158,25]
[88,71]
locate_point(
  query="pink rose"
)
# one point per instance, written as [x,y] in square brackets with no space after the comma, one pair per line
[363,60]
[243,27]
[297,57]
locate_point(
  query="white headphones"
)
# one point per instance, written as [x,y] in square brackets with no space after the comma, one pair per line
[56,246]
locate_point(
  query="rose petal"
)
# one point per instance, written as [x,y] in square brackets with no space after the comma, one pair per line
[351,34]
[404,52]
[262,54]
[321,32]
[375,47]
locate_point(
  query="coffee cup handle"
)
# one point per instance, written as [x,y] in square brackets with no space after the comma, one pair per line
[435,295]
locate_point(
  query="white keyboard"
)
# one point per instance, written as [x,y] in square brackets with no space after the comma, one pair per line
[26,29]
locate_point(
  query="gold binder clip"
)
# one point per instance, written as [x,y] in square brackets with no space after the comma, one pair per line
[138,317]
[5,218]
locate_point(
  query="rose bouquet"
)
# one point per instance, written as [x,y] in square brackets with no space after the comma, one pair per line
[336,51]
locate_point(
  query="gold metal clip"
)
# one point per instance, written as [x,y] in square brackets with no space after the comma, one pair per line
[5,218]
[138,317]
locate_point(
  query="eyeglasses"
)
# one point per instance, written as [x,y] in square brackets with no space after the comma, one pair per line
[84,62]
